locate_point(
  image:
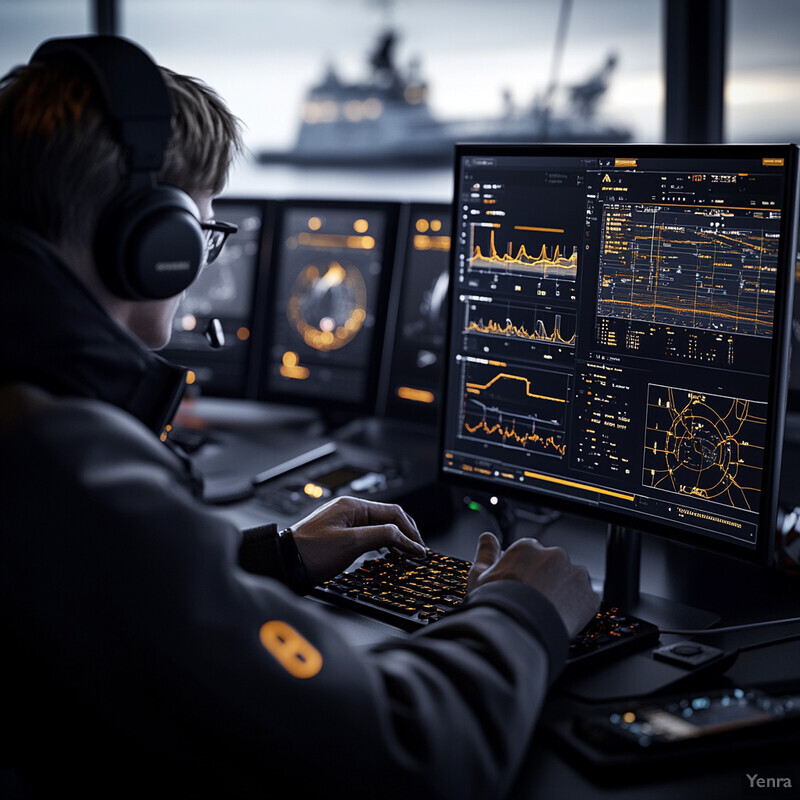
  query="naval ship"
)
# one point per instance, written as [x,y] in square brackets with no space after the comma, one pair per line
[386,119]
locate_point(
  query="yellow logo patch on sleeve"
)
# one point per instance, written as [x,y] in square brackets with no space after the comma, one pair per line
[291,650]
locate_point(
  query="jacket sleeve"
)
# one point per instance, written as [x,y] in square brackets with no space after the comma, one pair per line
[139,604]
[266,551]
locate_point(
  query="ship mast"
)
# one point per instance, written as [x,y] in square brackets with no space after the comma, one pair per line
[386,7]
[565,10]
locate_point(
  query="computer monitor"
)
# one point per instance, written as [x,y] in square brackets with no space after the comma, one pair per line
[617,345]
[225,290]
[330,273]
[415,351]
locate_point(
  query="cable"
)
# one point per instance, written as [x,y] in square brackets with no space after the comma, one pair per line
[729,629]
[505,516]
[769,642]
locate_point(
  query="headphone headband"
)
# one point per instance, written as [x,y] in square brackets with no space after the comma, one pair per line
[137,99]
[148,243]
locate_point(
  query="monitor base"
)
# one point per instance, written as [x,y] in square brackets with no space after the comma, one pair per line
[671,615]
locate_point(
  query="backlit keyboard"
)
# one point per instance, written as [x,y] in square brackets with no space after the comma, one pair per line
[411,593]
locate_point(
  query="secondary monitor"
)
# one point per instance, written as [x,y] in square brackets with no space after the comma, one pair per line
[618,336]
[226,291]
[417,347]
[325,316]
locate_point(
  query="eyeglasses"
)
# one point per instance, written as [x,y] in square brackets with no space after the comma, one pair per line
[216,234]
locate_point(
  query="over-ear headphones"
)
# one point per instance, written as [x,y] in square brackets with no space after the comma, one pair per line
[149,244]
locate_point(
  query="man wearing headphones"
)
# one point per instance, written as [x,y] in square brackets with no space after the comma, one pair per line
[149,644]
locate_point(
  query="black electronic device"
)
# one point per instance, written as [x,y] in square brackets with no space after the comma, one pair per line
[618,335]
[330,273]
[149,242]
[226,291]
[304,489]
[414,352]
[645,739]
[721,718]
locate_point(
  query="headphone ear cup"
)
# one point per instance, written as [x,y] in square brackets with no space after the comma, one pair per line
[149,244]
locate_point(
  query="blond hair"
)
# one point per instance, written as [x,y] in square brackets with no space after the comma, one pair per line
[206,137]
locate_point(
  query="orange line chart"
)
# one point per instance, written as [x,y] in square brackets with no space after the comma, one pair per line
[524,411]
[511,321]
[682,268]
[540,260]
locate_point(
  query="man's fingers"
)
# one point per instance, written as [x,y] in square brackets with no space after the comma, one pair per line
[378,514]
[374,537]
[486,556]
[488,550]
[353,512]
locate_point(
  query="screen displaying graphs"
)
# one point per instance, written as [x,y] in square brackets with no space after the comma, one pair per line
[612,330]
[326,302]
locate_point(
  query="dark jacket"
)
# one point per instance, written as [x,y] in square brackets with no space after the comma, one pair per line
[142,658]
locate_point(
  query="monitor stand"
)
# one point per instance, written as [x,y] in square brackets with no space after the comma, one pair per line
[621,587]
[639,673]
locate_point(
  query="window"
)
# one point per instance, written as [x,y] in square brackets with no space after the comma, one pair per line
[762,91]
[25,24]
[478,67]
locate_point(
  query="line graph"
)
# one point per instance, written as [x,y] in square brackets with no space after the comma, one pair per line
[532,258]
[520,409]
[704,445]
[527,323]
[689,268]
[527,434]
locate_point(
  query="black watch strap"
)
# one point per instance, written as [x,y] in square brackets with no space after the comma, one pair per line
[295,572]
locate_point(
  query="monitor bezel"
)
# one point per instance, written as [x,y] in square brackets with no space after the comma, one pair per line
[793,394]
[386,406]
[762,554]
[366,405]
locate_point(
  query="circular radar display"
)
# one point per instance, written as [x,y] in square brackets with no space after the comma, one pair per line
[328,306]
[704,445]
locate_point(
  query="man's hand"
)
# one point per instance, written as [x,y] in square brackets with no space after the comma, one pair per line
[547,569]
[334,536]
